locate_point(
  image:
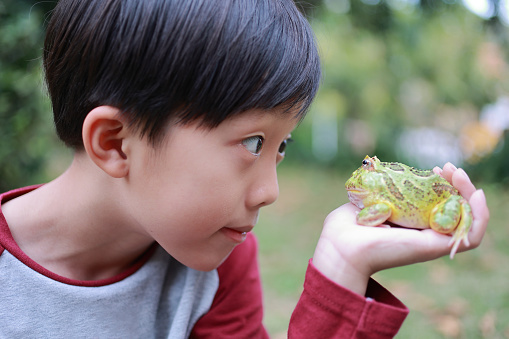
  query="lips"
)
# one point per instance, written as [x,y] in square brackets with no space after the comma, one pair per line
[244,229]
[237,234]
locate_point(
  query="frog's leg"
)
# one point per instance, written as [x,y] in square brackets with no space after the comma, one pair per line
[452,215]
[374,215]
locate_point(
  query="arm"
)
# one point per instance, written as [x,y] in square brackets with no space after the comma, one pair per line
[348,254]
[328,310]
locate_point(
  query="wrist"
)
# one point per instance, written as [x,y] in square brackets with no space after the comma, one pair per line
[339,269]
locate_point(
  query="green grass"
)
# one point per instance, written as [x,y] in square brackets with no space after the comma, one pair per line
[464,298]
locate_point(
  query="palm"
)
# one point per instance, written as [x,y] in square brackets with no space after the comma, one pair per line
[382,247]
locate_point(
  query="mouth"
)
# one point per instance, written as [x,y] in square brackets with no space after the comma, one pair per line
[245,229]
[355,190]
[236,234]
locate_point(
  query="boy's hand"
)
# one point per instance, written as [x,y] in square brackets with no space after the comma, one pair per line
[349,254]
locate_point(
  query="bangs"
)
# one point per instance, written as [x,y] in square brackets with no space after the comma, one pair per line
[270,61]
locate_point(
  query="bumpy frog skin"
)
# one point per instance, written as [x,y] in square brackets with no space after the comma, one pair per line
[409,197]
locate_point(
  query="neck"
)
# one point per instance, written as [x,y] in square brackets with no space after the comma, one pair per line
[76,226]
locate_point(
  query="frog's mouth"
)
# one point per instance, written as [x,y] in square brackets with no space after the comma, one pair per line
[356,196]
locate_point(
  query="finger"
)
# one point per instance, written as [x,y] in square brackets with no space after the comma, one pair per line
[437,170]
[448,171]
[462,183]
[481,215]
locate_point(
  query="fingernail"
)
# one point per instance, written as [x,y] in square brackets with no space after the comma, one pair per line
[453,167]
[464,174]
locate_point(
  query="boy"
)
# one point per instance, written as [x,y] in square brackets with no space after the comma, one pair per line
[178,113]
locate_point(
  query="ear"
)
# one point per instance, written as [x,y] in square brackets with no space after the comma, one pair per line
[104,137]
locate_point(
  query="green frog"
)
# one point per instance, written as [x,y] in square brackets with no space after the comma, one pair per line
[409,197]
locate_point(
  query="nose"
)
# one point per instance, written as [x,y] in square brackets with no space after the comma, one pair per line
[264,189]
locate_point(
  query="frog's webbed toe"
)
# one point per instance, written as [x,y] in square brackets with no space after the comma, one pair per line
[374,215]
[456,241]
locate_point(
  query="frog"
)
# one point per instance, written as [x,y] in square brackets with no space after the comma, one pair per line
[392,192]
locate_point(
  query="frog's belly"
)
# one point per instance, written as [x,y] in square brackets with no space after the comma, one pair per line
[410,219]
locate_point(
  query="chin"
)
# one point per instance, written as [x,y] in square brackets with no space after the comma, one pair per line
[206,267]
[207,262]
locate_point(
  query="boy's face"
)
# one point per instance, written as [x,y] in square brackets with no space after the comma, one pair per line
[202,189]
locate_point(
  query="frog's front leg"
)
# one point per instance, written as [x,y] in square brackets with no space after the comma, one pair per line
[452,215]
[374,215]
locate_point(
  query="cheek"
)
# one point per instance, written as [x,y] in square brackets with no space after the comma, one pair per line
[188,188]
[188,228]
[194,197]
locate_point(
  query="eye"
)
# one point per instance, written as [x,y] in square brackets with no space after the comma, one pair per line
[253,144]
[282,147]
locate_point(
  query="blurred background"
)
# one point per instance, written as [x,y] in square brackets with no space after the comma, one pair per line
[416,81]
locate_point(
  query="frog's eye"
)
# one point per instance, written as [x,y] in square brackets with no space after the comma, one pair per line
[253,144]
[368,164]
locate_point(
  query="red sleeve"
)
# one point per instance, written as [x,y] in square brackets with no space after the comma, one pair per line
[328,310]
[325,309]
[237,310]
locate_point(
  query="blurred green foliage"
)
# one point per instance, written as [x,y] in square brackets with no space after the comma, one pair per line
[406,80]
[26,135]
[392,71]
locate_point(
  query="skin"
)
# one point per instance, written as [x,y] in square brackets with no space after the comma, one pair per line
[188,194]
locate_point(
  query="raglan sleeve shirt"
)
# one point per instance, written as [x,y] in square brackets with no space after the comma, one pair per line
[324,310]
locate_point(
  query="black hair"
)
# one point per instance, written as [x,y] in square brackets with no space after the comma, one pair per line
[188,59]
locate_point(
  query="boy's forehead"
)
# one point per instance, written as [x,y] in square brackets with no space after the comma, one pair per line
[276,120]
[265,116]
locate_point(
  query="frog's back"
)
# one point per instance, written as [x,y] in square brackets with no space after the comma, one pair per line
[414,193]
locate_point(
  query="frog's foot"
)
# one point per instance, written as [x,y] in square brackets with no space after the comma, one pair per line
[453,215]
[374,215]
[463,228]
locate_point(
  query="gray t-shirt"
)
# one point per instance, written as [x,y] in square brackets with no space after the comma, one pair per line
[162,299]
